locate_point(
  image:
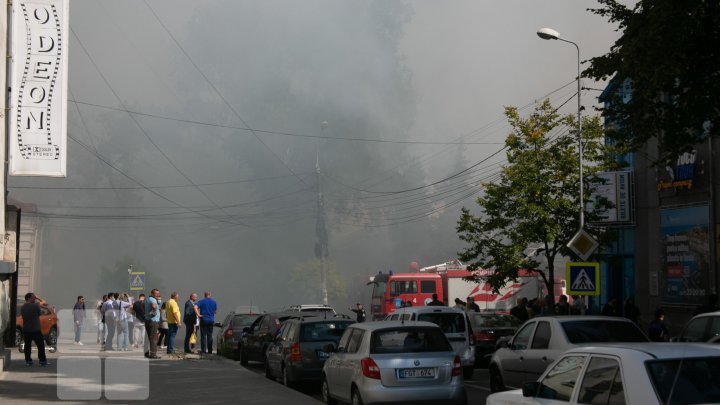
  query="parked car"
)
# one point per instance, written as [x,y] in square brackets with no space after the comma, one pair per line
[387,362]
[325,311]
[648,374]
[48,327]
[488,327]
[297,354]
[701,328]
[255,339]
[454,323]
[541,340]
[229,333]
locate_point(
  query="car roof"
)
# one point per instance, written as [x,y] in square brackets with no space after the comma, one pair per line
[706,314]
[319,319]
[655,350]
[377,325]
[426,309]
[571,318]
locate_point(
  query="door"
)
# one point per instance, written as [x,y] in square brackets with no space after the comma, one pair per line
[333,362]
[347,364]
[540,355]
[513,359]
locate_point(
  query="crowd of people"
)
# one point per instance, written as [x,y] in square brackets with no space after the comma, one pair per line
[126,323]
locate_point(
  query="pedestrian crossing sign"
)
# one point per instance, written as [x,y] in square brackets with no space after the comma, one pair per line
[137,281]
[583,278]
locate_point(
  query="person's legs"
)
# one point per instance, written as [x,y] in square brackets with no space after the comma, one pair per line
[206,329]
[188,333]
[27,339]
[78,329]
[203,339]
[172,332]
[110,325]
[131,332]
[152,328]
[40,343]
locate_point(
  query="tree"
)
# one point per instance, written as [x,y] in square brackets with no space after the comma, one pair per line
[533,207]
[304,282]
[670,50]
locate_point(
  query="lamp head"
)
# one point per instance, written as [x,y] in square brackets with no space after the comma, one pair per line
[548,33]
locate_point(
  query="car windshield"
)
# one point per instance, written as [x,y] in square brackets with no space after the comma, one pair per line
[409,340]
[597,331]
[244,320]
[494,321]
[686,381]
[449,322]
[322,331]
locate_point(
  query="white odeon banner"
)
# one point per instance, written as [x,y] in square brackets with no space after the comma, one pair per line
[38,82]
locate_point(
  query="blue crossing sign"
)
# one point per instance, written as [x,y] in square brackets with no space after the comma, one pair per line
[583,278]
[137,281]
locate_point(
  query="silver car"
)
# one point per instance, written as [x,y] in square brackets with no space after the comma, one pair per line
[543,339]
[393,362]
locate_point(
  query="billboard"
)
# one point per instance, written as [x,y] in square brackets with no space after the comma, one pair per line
[38,82]
[614,187]
[685,246]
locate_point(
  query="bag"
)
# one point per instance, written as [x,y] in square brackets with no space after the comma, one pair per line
[193,338]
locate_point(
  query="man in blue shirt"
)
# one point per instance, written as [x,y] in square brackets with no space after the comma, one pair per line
[152,322]
[207,308]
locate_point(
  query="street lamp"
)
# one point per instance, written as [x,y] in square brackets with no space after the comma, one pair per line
[549,33]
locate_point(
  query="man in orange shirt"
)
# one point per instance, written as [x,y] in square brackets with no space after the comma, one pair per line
[173,319]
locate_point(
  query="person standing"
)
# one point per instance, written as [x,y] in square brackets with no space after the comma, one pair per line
[611,308]
[122,322]
[139,312]
[471,305]
[459,304]
[207,308]
[190,317]
[30,313]
[359,312]
[110,316]
[657,330]
[152,321]
[79,318]
[520,311]
[631,311]
[172,313]
[562,307]
[101,321]
[163,327]
[435,301]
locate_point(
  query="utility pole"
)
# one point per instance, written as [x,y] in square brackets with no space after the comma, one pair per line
[321,248]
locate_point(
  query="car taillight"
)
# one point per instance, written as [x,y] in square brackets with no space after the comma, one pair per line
[457,367]
[228,333]
[484,336]
[369,368]
[295,352]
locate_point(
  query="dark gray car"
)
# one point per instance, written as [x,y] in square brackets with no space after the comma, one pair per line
[298,353]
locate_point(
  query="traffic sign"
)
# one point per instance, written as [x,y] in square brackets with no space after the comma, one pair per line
[137,281]
[583,278]
[583,244]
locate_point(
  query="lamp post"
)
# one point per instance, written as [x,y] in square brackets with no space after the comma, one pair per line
[549,33]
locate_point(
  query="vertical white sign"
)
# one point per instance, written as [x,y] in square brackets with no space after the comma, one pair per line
[3,120]
[38,115]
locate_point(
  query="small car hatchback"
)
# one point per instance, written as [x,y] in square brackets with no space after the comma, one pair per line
[393,362]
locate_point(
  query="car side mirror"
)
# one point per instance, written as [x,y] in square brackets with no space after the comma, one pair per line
[503,343]
[329,348]
[530,389]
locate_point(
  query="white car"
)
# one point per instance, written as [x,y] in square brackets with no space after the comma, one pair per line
[631,373]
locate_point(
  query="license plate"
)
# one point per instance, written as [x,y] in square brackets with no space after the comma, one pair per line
[321,354]
[417,373]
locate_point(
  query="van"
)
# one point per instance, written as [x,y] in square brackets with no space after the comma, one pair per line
[453,322]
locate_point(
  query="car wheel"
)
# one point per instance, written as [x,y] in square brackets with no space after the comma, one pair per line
[52,337]
[468,372]
[243,357]
[496,382]
[326,398]
[355,399]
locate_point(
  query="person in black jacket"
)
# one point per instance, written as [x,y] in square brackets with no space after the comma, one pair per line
[359,312]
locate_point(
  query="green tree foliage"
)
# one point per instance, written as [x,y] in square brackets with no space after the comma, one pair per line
[671,51]
[304,282]
[533,207]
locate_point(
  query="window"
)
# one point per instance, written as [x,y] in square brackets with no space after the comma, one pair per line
[355,340]
[542,336]
[522,338]
[560,381]
[322,331]
[714,330]
[602,381]
[379,289]
[695,330]
[403,287]
[344,340]
[427,287]
[449,322]
[686,381]
[599,331]
[409,340]
[242,321]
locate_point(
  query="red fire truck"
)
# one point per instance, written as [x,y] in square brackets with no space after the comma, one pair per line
[391,290]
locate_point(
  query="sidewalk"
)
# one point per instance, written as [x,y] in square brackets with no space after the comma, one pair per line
[171,381]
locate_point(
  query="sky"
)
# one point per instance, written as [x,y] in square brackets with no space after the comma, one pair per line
[195,129]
